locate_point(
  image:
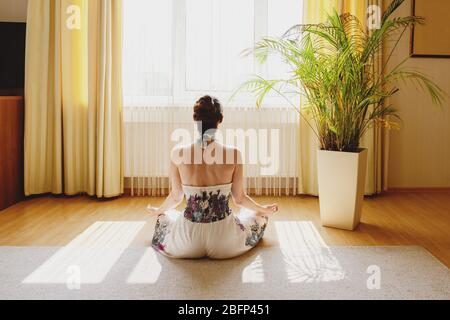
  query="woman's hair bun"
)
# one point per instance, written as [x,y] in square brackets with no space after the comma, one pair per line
[209,111]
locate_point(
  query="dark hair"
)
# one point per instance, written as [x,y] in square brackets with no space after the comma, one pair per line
[208,110]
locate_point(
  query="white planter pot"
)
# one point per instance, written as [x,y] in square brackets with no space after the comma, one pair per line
[342,177]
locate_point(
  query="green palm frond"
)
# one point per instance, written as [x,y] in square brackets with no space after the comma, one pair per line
[393,6]
[332,66]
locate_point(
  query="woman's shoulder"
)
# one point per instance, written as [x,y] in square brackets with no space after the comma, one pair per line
[182,153]
[179,152]
[233,152]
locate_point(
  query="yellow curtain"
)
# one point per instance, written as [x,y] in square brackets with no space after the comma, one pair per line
[73,119]
[376,140]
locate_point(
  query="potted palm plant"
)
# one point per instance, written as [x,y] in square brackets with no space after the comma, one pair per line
[332,68]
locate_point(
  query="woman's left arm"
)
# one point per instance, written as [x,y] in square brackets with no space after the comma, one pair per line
[176,194]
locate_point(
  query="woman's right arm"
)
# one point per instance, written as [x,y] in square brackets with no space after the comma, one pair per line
[240,196]
[176,194]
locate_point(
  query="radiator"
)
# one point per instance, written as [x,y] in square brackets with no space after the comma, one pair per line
[148,144]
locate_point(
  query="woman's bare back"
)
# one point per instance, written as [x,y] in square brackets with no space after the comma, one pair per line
[212,166]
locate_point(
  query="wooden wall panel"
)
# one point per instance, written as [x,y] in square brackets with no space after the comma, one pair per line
[11,150]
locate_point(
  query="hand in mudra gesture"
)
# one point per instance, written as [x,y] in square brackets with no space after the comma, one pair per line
[154,211]
[269,209]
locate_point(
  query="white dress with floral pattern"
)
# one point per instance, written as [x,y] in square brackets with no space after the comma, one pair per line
[207,227]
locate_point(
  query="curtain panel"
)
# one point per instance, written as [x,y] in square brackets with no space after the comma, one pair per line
[73,93]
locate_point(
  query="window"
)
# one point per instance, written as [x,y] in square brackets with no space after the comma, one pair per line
[178,50]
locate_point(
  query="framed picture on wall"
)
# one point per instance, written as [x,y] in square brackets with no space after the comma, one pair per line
[432,39]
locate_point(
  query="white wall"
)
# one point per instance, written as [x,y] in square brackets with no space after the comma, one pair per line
[13,10]
[420,150]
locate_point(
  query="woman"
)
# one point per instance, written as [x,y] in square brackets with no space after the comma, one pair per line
[207,227]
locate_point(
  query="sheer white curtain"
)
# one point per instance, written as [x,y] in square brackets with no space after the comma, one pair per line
[178,50]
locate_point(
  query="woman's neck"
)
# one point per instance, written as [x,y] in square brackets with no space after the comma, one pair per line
[207,138]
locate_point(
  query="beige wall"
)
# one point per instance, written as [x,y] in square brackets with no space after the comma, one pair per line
[420,150]
[13,10]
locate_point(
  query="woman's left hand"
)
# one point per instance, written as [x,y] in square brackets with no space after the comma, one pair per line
[270,209]
[153,210]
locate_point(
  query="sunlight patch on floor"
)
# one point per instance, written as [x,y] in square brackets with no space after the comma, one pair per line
[254,273]
[89,257]
[147,270]
[306,256]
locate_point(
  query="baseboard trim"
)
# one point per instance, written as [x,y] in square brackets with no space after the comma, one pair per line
[145,192]
[419,190]
[254,192]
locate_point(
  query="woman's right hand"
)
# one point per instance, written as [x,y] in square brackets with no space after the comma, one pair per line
[153,210]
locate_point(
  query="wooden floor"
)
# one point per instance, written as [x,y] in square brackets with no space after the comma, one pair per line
[392,219]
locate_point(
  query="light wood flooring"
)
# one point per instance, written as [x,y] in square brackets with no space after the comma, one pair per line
[421,219]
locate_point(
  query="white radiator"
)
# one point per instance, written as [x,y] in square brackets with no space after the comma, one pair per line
[148,133]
